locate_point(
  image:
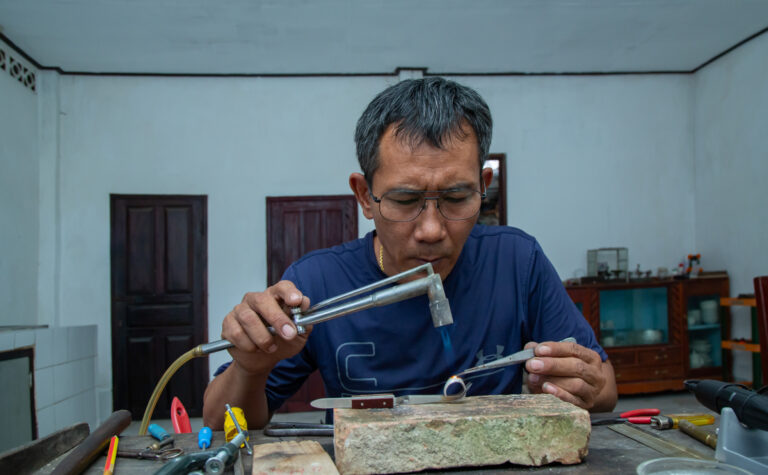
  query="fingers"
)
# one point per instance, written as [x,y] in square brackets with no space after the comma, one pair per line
[568,371]
[530,344]
[246,326]
[566,360]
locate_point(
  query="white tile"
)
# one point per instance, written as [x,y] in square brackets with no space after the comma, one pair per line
[24,338]
[83,375]
[81,342]
[6,341]
[64,380]
[59,345]
[46,421]
[43,348]
[90,340]
[104,397]
[66,414]
[87,408]
[44,396]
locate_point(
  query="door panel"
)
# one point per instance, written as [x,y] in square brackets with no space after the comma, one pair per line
[297,225]
[159,299]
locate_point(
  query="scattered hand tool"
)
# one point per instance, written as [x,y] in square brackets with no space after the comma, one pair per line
[212,460]
[31,456]
[148,454]
[699,433]
[635,416]
[179,417]
[750,407]
[84,454]
[239,429]
[109,466]
[204,437]
[297,429]
[671,421]
[163,437]
[380,401]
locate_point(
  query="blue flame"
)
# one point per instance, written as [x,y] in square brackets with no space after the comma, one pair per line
[447,345]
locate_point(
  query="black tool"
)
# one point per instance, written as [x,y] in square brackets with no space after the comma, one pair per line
[213,460]
[750,407]
[297,429]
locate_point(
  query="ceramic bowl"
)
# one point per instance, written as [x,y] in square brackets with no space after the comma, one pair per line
[651,336]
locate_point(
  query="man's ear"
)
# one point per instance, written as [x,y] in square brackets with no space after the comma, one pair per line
[360,188]
[487,176]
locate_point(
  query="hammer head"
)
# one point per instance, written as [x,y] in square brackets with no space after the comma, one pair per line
[438,302]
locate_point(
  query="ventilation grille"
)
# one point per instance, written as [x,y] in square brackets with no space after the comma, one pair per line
[18,70]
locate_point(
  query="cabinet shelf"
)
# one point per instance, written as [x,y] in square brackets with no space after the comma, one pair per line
[707,326]
[662,350]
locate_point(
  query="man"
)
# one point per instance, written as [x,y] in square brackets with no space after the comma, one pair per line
[421,145]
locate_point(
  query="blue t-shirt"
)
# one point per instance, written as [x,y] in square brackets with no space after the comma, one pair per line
[503,292]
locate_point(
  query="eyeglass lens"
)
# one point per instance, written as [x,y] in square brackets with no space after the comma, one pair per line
[407,205]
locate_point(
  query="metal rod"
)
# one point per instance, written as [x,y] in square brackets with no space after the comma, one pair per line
[431,285]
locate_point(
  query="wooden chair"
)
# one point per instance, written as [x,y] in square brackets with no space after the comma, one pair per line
[761,296]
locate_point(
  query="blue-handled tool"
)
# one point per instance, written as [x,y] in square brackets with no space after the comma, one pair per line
[163,437]
[204,437]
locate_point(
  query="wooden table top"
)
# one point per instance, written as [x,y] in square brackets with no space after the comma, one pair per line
[609,452]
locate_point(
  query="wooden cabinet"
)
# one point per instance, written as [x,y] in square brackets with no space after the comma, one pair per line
[644,327]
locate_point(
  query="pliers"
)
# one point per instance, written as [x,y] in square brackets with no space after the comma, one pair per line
[635,416]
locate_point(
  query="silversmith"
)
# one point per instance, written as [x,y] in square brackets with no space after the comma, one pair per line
[421,145]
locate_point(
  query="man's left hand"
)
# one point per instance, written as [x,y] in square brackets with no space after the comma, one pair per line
[572,373]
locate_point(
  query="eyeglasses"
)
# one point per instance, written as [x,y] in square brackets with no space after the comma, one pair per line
[406,205]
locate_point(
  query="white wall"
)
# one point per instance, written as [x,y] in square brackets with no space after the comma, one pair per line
[597,161]
[235,140]
[593,161]
[731,171]
[18,202]
[731,168]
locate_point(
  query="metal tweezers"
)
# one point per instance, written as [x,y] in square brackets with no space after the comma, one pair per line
[515,358]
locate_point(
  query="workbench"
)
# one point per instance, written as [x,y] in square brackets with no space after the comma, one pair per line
[609,453]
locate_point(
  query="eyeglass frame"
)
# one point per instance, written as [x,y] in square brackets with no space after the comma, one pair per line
[440,193]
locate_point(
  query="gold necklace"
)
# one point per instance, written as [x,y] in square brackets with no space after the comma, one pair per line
[381,257]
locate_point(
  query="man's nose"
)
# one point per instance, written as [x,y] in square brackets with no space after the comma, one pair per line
[430,226]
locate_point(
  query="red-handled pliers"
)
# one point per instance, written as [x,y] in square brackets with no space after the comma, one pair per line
[635,416]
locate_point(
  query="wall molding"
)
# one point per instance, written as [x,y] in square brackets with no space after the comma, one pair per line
[17,67]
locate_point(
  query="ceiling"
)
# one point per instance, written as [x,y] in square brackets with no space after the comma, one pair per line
[275,37]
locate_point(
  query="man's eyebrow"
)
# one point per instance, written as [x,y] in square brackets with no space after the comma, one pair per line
[454,186]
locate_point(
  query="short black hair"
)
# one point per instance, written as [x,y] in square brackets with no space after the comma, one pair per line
[432,109]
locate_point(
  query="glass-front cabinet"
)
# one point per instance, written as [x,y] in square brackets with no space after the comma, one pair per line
[631,317]
[654,331]
[707,325]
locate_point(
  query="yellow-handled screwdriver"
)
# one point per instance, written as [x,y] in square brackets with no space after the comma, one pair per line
[671,421]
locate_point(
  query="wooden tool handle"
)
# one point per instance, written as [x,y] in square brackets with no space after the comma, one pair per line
[84,454]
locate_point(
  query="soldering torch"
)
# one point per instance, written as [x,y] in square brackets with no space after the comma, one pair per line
[750,407]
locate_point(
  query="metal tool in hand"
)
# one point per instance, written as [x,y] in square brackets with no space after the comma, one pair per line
[515,358]
[239,430]
[341,305]
[147,454]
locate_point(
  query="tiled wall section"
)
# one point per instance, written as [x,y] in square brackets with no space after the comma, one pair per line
[64,374]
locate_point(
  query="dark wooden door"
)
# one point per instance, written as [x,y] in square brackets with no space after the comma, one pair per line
[159,299]
[297,225]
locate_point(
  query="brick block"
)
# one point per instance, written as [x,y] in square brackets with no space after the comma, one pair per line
[524,429]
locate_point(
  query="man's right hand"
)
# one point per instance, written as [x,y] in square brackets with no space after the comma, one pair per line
[256,350]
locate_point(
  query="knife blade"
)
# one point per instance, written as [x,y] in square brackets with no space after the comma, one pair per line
[379,401]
